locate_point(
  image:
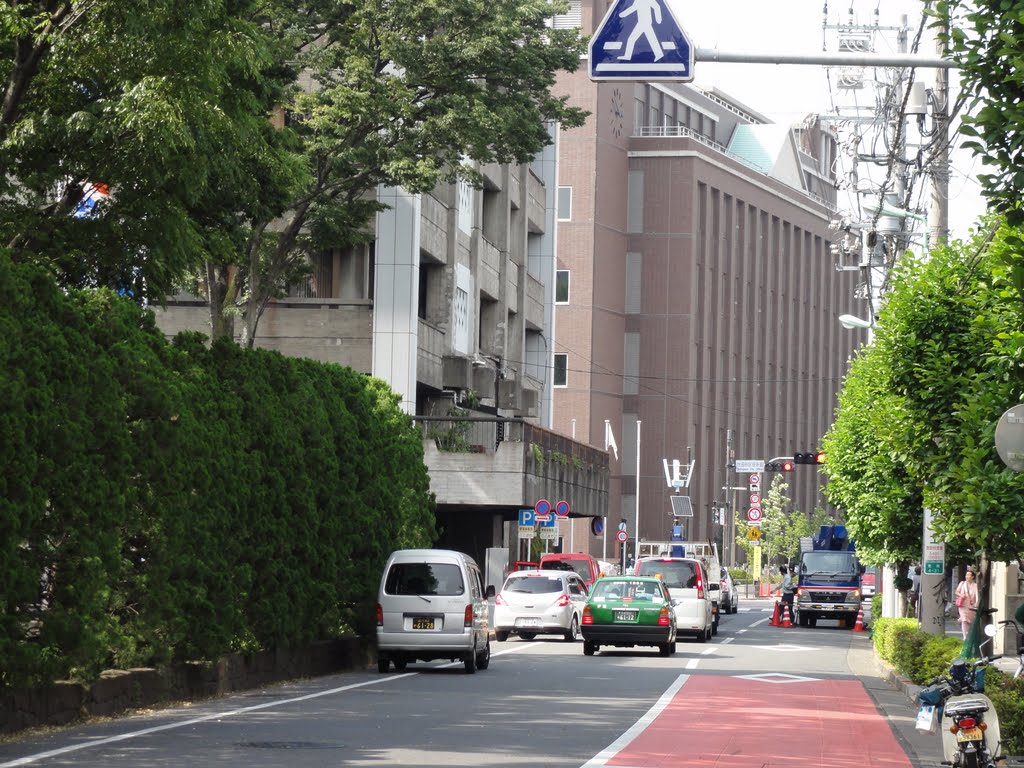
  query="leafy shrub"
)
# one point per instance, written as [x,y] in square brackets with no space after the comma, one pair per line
[936,654]
[885,634]
[165,502]
[1007,695]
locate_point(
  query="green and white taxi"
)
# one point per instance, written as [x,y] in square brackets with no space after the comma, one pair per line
[624,611]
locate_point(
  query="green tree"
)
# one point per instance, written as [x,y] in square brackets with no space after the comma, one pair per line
[397,94]
[782,525]
[161,103]
[918,412]
[881,501]
[987,42]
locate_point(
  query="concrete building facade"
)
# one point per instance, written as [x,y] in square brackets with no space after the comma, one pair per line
[698,297]
[452,304]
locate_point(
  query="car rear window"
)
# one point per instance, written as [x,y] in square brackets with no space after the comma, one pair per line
[582,567]
[442,579]
[534,585]
[675,573]
[635,590]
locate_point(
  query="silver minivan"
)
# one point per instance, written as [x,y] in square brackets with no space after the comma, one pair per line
[431,605]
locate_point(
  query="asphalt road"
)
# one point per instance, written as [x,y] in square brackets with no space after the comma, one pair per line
[755,696]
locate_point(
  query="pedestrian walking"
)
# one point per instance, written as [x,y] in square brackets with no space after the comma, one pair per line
[786,590]
[967,601]
[915,592]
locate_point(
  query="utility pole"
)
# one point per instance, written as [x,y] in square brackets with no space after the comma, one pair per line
[938,218]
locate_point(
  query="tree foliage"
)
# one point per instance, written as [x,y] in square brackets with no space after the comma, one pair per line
[162,104]
[397,94]
[782,525]
[987,42]
[917,418]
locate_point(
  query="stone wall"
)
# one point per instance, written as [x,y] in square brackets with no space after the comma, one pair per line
[117,690]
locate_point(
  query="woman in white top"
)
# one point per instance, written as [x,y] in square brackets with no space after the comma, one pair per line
[967,601]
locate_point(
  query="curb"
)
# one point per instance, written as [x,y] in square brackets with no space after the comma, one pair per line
[897,681]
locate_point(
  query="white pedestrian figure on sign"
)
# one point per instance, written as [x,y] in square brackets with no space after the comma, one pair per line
[647,13]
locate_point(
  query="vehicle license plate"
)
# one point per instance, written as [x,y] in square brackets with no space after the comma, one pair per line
[423,622]
[969,734]
[527,622]
[625,615]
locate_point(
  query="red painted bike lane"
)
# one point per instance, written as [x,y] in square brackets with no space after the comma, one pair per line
[765,721]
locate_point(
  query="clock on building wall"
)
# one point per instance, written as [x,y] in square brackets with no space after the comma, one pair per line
[617,115]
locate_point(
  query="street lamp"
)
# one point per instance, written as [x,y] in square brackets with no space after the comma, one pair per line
[851,321]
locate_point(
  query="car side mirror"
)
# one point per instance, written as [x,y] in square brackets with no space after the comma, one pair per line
[489,592]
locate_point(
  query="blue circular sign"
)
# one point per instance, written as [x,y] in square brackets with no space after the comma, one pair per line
[542,507]
[597,526]
[562,509]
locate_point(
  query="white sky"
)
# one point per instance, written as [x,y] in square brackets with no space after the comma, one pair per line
[786,93]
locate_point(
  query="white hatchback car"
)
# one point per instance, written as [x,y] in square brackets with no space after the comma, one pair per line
[687,583]
[538,602]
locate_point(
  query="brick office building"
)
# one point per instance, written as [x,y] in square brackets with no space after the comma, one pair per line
[695,294]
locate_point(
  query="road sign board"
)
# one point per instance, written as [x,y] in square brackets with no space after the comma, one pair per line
[641,40]
[527,531]
[933,566]
[755,499]
[750,466]
[548,533]
[542,507]
[622,525]
[548,522]
[755,479]
[562,509]
[754,534]
[622,536]
[754,514]
[527,517]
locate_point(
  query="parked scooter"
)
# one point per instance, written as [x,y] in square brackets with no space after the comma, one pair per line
[970,733]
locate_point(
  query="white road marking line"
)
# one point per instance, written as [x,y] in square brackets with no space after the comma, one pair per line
[606,754]
[231,713]
[740,631]
[692,663]
[727,640]
[759,621]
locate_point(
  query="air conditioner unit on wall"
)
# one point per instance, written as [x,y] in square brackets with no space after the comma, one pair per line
[456,372]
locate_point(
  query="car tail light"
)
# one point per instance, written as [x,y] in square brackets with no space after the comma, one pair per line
[663,618]
[380,615]
[469,616]
[499,600]
[724,587]
[700,587]
[588,617]
[562,601]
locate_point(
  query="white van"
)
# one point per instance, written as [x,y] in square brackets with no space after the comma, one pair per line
[688,587]
[430,605]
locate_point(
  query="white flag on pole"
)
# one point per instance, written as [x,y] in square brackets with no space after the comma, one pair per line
[609,438]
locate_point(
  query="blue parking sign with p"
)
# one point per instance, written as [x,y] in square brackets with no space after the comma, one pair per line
[527,518]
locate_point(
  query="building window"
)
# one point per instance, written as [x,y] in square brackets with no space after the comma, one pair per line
[562,286]
[564,203]
[561,369]
[318,282]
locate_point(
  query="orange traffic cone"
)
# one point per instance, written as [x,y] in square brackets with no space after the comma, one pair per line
[859,626]
[786,615]
[775,616]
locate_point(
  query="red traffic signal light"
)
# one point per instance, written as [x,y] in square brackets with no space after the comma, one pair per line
[816,457]
[779,466]
[786,466]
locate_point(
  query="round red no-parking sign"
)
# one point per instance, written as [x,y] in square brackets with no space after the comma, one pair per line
[622,536]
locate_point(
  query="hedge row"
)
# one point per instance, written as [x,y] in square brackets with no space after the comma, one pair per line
[921,657]
[165,502]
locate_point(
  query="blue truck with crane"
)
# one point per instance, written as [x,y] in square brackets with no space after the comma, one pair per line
[828,581]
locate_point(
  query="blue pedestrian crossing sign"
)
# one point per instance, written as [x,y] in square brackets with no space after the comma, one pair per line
[641,40]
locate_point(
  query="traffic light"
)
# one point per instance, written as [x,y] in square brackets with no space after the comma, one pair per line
[778,466]
[813,457]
